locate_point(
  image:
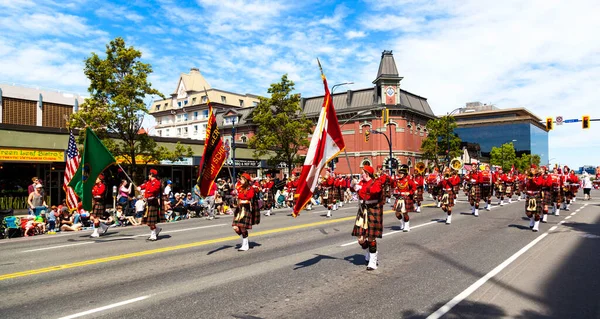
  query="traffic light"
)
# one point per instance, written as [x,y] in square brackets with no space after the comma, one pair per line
[585,122]
[367,134]
[385,116]
[549,123]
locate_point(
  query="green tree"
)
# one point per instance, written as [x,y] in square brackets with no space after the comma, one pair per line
[524,162]
[504,156]
[118,85]
[282,128]
[441,144]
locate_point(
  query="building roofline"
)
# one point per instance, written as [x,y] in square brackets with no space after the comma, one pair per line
[498,111]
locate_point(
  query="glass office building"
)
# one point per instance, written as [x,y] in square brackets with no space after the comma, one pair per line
[493,128]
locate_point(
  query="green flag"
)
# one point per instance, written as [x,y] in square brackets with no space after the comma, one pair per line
[95,159]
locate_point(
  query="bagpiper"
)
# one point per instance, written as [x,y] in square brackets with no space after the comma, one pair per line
[546,191]
[244,216]
[327,184]
[386,182]
[369,218]
[499,178]
[455,180]
[486,186]
[474,182]
[404,189]
[433,180]
[557,191]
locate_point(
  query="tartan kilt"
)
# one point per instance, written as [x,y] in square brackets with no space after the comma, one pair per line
[499,190]
[330,200]
[546,197]
[485,191]
[475,193]
[336,194]
[419,194]
[538,202]
[409,204]
[255,210]
[387,191]
[450,198]
[509,189]
[557,196]
[517,188]
[456,190]
[246,219]
[98,208]
[153,215]
[370,225]
[269,200]
[433,190]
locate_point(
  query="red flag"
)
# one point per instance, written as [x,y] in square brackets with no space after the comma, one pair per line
[213,156]
[70,169]
[326,143]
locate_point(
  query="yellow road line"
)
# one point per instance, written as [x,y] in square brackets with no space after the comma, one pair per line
[167,249]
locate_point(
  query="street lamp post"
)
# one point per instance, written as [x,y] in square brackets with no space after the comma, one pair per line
[448,134]
[233,150]
[363,112]
[389,144]
[339,84]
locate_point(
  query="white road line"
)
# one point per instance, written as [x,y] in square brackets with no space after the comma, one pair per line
[185,229]
[553,228]
[561,222]
[573,213]
[393,232]
[463,295]
[568,217]
[56,247]
[118,304]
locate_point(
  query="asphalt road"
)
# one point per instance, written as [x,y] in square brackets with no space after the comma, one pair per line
[491,266]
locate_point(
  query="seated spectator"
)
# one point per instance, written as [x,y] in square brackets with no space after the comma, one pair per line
[66,221]
[121,215]
[29,227]
[140,208]
[219,203]
[192,204]
[179,207]
[52,220]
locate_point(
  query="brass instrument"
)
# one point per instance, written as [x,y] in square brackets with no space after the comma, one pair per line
[420,168]
[456,164]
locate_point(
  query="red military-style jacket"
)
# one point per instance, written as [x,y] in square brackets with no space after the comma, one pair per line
[455,180]
[98,190]
[244,193]
[370,190]
[419,180]
[268,185]
[405,186]
[328,182]
[557,181]
[151,188]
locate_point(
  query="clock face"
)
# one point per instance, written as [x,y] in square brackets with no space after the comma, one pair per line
[390,91]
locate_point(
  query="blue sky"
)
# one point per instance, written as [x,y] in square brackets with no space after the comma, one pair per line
[542,55]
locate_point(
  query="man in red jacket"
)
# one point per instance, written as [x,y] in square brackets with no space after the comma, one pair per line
[153,215]
[405,190]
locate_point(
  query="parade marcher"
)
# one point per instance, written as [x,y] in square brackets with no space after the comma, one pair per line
[328,185]
[291,187]
[268,195]
[447,186]
[474,180]
[433,180]
[341,186]
[545,183]
[571,187]
[587,185]
[486,184]
[557,191]
[509,185]
[456,182]
[518,185]
[419,183]
[534,203]
[369,219]
[405,189]
[153,214]
[98,210]
[499,178]
[386,182]
[244,216]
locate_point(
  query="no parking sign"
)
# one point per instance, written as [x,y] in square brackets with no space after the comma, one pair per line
[559,120]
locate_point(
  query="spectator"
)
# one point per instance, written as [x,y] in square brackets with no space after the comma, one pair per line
[121,216]
[192,204]
[36,199]
[179,207]
[168,193]
[140,208]
[219,204]
[52,220]
[124,192]
[30,226]
[210,202]
[587,186]
[66,221]
[31,188]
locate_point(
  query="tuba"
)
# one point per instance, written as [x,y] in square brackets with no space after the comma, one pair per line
[420,167]
[456,164]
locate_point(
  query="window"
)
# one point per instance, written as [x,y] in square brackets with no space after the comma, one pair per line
[167,133]
[185,131]
[179,132]
[223,99]
[229,120]
[195,129]
[166,105]
[179,103]
[242,103]
[195,116]
[254,103]
[204,99]
[159,132]
[193,100]
[158,107]
[204,114]
[159,121]
[244,139]
[202,130]
[165,119]
[185,102]
[179,118]
[185,117]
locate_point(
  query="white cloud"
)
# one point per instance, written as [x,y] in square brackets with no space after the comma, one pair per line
[355,34]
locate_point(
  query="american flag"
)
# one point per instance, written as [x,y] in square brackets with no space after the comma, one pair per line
[72,165]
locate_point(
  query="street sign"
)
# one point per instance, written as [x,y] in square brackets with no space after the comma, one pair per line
[559,120]
[571,121]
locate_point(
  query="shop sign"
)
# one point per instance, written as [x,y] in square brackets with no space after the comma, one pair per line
[186,161]
[29,155]
[243,163]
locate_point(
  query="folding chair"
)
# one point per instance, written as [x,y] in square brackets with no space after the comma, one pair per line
[12,226]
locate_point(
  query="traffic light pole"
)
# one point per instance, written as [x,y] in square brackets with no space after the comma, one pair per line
[389,144]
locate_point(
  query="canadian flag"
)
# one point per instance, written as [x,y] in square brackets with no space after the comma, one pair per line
[326,143]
